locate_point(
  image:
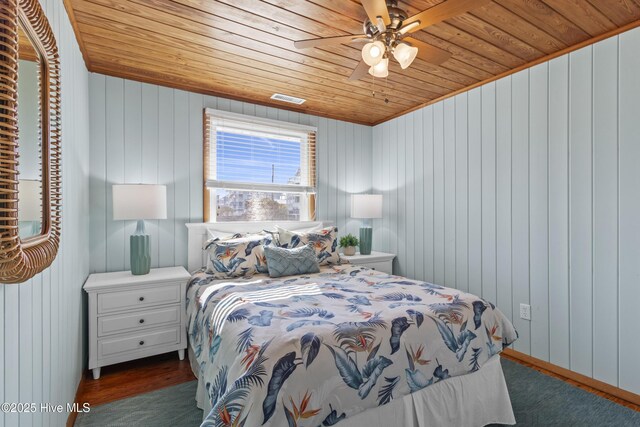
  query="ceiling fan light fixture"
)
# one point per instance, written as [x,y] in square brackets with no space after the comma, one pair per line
[372,53]
[405,54]
[381,69]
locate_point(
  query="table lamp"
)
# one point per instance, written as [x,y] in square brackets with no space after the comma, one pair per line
[139,202]
[366,206]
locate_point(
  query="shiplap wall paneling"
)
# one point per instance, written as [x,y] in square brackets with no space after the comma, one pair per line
[114,166]
[151,134]
[409,194]
[394,221]
[488,232]
[166,168]
[150,149]
[580,210]
[460,194]
[421,168]
[449,192]
[520,204]
[133,141]
[97,181]
[41,325]
[438,206]
[384,188]
[629,210]
[400,215]
[538,210]
[559,341]
[534,200]
[427,194]
[474,191]
[196,106]
[605,209]
[323,172]
[503,196]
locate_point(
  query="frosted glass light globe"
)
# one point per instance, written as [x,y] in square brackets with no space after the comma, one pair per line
[372,53]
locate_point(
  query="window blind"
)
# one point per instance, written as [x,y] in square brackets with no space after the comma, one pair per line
[248,154]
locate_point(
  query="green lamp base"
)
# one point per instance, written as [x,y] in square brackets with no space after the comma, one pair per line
[366,236]
[140,252]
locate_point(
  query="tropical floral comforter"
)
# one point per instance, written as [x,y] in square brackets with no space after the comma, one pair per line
[314,350]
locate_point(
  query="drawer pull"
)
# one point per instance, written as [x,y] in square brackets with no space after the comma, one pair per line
[141,320]
[141,298]
[141,342]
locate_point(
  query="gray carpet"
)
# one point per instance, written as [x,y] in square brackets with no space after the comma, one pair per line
[538,400]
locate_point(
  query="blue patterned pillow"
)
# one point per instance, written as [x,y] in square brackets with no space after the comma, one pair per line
[324,241]
[240,257]
[289,262]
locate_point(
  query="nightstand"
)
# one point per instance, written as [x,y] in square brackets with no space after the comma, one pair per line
[131,317]
[377,261]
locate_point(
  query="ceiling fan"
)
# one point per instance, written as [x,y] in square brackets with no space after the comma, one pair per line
[387,30]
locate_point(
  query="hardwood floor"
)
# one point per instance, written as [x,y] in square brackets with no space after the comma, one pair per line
[153,373]
[133,378]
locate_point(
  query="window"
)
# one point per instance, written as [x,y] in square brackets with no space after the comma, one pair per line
[258,169]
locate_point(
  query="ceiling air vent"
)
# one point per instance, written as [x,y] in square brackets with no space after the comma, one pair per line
[287,98]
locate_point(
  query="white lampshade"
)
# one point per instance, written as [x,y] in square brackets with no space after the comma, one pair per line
[29,200]
[139,201]
[380,70]
[373,52]
[366,206]
[405,54]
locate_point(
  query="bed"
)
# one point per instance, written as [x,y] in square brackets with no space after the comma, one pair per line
[346,346]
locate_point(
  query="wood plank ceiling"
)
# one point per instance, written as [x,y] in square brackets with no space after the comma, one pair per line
[243,49]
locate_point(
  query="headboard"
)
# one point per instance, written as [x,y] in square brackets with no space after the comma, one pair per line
[197,235]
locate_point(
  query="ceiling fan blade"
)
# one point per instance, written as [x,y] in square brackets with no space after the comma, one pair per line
[442,12]
[361,70]
[303,44]
[375,8]
[426,52]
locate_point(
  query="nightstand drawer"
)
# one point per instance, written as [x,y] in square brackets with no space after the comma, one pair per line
[110,347]
[138,298]
[383,266]
[126,322]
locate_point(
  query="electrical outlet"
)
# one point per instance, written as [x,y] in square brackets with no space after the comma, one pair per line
[525,311]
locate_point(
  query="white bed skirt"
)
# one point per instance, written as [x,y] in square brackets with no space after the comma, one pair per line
[470,400]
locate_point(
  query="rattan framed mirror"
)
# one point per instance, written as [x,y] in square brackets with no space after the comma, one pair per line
[23,24]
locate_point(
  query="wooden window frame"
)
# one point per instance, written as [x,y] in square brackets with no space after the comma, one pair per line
[210,115]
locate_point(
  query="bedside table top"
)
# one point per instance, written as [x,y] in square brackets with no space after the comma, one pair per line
[374,257]
[98,281]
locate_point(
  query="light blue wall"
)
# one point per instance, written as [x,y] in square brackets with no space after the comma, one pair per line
[526,190]
[41,323]
[152,134]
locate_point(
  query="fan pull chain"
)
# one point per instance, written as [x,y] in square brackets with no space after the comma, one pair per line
[386,90]
[373,86]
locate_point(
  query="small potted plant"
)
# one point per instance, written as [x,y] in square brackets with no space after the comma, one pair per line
[348,244]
